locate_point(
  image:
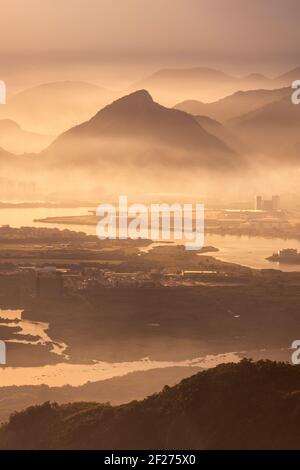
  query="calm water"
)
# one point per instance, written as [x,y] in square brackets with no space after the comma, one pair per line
[248,251]
[32,328]
[251,251]
[78,374]
[26,217]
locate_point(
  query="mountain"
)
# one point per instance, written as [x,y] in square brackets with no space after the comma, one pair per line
[256,77]
[272,128]
[52,108]
[170,86]
[293,152]
[221,131]
[135,130]
[16,140]
[14,169]
[258,121]
[201,83]
[287,78]
[117,390]
[234,105]
[233,406]
[7,159]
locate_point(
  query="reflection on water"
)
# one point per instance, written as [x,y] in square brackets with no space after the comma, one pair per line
[78,374]
[36,329]
[248,251]
[251,251]
[24,217]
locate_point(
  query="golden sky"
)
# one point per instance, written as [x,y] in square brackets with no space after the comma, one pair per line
[245,35]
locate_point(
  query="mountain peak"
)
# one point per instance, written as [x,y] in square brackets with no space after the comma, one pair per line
[140,94]
[138,98]
[255,76]
[148,131]
[139,101]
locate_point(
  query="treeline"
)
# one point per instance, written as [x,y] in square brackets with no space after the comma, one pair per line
[234,406]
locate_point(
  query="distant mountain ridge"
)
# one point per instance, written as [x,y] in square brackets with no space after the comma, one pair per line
[264,122]
[224,133]
[18,141]
[288,77]
[234,105]
[52,108]
[272,128]
[171,86]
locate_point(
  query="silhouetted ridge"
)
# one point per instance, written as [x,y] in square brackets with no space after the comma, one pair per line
[139,97]
[150,133]
[232,406]
[138,101]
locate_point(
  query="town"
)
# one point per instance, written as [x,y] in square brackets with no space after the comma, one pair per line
[49,263]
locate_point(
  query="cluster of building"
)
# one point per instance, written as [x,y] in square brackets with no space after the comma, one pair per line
[49,282]
[266,218]
[52,283]
[267,205]
[248,222]
[23,283]
[10,188]
[202,277]
[94,277]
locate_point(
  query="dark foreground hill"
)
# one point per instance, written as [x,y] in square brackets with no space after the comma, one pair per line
[133,386]
[234,406]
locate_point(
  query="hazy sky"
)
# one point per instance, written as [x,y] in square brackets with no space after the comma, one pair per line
[138,36]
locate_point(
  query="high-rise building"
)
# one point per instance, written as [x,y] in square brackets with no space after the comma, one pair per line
[258,203]
[267,204]
[275,203]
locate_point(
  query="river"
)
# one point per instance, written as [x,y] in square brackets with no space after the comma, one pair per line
[78,374]
[67,373]
[34,329]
